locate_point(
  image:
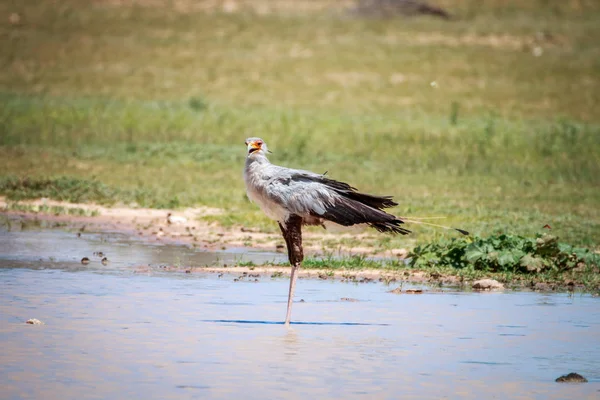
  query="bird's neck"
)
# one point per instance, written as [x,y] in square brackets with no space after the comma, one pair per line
[256,159]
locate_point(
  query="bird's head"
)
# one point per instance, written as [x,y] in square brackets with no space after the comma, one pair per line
[256,146]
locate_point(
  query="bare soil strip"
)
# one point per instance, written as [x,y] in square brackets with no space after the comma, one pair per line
[184,227]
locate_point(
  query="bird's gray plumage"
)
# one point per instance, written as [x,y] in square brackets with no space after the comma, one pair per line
[295,197]
[282,192]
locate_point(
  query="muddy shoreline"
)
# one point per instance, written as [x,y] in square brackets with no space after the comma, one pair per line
[186,228]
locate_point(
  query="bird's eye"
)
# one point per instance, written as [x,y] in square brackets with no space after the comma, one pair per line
[260,143]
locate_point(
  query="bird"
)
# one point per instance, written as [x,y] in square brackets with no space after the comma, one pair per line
[294,198]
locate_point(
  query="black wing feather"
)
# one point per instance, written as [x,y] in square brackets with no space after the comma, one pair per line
[354,207]
[349,212]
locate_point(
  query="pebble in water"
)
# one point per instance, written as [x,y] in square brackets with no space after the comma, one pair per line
[572,377]
[487,284]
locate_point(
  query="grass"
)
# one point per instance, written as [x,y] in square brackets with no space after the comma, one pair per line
[148,103]
[586,279]
[61,188]
[54,210]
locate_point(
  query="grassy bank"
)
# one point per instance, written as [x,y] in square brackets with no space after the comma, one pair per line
[492,119]
[585,279]
[541,263]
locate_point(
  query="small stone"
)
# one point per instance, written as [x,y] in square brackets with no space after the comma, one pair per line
[400,253]
[229,6]
[175,219]
[85,261]
[413,291]
[573,377]
[14,18]
[348,299]
[543,287]
[487,284]
[104,261]
[34,321]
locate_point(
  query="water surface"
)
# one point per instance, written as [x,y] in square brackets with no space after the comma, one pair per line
[120,332]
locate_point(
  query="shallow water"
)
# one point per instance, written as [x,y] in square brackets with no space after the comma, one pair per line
[115,332]
[66,249]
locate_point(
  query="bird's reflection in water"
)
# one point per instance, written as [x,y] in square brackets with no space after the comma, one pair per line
[290,342]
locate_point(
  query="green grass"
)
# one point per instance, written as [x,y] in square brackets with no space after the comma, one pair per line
[150,105]
[54,210]
[62,188]
[586,278]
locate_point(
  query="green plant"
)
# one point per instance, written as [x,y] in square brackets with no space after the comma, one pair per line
[504,253]
[249,264]
[197,103]
[454,113]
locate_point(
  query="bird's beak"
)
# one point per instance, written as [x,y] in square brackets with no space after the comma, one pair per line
[253,146]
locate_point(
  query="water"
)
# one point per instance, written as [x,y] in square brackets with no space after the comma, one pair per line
[120,332]
[66,249]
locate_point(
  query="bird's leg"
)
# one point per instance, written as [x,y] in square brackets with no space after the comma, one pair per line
[293,239]
[287,242]
[288,314]
[288,245]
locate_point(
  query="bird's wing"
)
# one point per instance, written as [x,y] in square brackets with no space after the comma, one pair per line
[304,192]
[300,192]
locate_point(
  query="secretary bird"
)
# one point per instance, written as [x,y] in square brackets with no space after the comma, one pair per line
[295,197]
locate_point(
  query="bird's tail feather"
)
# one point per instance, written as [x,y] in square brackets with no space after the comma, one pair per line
[349,211]
[462,231]
[390,227]
[378,202]
[360,208]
